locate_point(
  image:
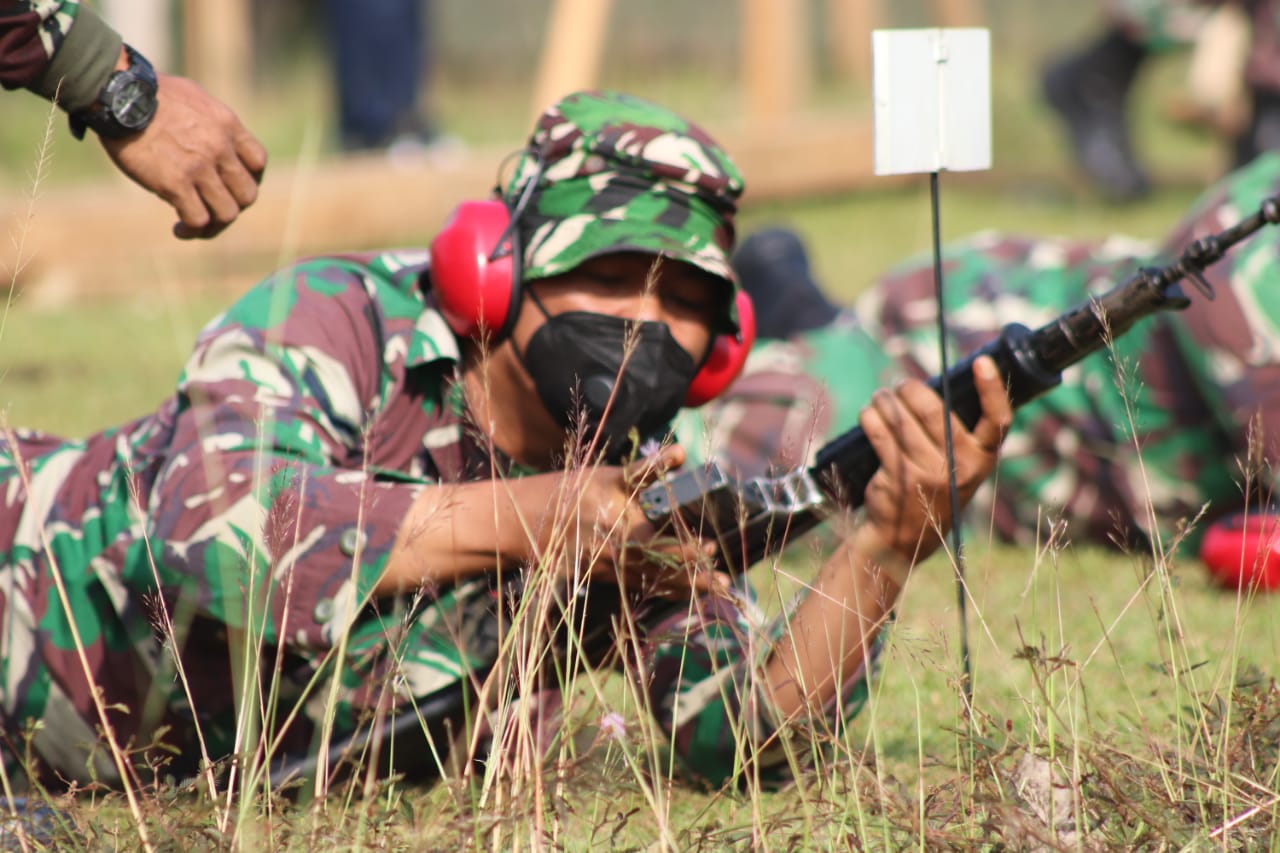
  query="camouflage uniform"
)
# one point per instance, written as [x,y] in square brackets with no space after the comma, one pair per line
[56,46]
[1183,387]
[257,507]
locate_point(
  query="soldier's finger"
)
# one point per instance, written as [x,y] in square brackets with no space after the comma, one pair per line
[222,205]
[191,210]
[251,153]
[924,428]
[689,579]
[673,567]
[638,574]
[916,414]
[649,468]
[208,232]
[997,411]
[239,181]
[880,422]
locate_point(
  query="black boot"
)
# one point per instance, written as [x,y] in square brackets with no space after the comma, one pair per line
[1089,91]
[1263,132]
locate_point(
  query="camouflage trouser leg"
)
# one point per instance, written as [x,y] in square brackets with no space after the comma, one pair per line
[699,669]
[69,624]
[1232,343]
[704,666]
[418,661]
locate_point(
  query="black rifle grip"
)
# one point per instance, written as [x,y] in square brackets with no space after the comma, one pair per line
[847,464]
[1025,374]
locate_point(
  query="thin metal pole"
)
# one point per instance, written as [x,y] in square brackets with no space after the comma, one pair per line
[957,546]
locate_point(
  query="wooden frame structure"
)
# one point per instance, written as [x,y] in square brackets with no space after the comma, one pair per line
[121,237]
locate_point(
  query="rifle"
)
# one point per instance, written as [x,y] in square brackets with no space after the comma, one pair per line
[753,519]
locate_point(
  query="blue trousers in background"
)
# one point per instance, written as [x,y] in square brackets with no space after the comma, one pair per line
[381,56]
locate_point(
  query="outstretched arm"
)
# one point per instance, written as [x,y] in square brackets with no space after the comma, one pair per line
[195,154]
[907,510]
[582,520]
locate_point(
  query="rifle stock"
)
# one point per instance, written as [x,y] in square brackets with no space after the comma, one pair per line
[756,518]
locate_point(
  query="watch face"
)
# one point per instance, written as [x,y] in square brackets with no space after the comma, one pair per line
[134,104]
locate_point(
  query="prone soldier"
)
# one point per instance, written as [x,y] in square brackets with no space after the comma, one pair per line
[1179,416]
[368,457]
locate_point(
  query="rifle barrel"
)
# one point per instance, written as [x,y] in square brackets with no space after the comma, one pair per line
[1031,362]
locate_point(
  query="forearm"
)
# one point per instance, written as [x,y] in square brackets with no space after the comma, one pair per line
[829,636]
[718,704]
[456,531]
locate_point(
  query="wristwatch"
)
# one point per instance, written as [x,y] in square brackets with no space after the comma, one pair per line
[125,105]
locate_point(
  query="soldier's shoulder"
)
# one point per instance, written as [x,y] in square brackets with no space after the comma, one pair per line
[393,270]
[387,281]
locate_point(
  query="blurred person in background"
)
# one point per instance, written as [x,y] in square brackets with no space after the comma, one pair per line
[1089,87]
[165,133]
[372,461]
[1136,441]
[383,57]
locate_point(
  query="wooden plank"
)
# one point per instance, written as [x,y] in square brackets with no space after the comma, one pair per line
[849,26]
[571,50]
[958,13]
[805,155]
[775,66]
[146,25]
[216,47]
[123,234]
[123,240]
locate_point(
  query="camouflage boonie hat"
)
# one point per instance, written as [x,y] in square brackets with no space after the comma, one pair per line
[618,173]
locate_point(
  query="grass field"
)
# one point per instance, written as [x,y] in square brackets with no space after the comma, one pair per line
[1144,695]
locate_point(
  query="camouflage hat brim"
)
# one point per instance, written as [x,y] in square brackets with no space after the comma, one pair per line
[651,219]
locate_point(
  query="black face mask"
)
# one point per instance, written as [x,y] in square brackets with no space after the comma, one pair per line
[577,363]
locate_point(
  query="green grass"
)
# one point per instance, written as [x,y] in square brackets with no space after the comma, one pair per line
[1140,680]
[1069,660]
[1072,651]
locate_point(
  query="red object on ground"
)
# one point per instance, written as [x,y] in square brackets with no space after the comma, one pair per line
[1243,550]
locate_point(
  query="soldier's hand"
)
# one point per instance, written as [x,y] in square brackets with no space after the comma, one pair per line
[620,545]
[908,499]
[196,155]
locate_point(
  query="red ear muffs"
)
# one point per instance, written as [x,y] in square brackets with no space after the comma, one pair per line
[728,355]
[478,292]
[476,287]
[1243,550]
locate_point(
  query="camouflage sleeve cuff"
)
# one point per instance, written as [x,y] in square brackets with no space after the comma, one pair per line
[82,64]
